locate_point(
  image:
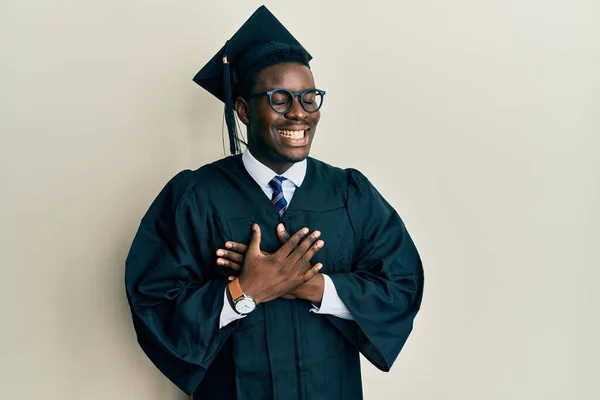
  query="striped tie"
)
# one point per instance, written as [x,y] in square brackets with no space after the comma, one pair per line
[279,202]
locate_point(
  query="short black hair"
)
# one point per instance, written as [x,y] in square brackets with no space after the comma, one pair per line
[292,54]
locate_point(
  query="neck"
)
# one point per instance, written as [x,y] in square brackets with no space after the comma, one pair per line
[278,165]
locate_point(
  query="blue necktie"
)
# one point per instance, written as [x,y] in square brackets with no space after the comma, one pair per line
[278,200]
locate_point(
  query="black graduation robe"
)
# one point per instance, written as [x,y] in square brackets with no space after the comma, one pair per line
[280,351]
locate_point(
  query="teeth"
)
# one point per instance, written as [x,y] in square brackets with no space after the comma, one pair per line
[292,134]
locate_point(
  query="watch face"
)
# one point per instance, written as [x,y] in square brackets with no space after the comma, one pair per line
[245,305]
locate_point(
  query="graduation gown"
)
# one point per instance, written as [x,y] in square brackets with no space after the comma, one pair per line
[280,351]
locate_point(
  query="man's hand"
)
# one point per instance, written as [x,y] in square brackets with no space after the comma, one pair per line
[233,257]
[265,277]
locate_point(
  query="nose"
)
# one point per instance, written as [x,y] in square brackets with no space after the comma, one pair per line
[297,112]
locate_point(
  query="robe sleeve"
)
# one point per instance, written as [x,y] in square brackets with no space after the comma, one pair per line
[175,308]
[383,291]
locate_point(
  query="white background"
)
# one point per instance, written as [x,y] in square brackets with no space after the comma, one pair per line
[478,120]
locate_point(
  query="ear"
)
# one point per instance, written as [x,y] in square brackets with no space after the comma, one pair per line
[241,107]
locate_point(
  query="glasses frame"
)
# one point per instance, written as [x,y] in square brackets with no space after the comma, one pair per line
[293,95]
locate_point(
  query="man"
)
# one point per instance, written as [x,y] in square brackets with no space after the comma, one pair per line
[347,280]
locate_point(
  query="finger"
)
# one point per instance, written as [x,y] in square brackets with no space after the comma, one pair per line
[314,249]
[304,247]
[228,264]
[308,275]
[237,247]
[231,256]
[292,243]
[282,233]
[254,245]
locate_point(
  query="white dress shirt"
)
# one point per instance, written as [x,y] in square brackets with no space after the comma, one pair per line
[331,303]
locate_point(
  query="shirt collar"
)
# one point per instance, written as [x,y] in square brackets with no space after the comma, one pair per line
[263,174]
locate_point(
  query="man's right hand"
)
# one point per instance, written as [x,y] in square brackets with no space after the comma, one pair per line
[267,277]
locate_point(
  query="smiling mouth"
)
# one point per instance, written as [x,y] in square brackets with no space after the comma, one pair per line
[292,134]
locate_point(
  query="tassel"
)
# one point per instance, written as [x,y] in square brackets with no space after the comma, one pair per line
[234,143]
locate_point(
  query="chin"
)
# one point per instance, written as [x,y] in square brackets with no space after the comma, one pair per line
[295,156]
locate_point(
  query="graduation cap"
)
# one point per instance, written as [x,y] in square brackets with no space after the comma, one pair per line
[260,35]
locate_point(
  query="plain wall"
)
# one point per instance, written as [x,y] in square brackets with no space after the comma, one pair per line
[478,120]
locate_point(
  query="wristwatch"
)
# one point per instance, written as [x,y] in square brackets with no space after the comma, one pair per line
[242,303]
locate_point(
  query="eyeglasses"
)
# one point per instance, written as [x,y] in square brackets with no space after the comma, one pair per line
[282,100]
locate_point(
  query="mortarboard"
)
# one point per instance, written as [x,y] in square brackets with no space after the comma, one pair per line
[261,34]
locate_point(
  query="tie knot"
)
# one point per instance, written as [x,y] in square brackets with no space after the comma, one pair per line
[276,183]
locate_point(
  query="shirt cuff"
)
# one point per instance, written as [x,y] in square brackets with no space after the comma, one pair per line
[331,303]
[228,314]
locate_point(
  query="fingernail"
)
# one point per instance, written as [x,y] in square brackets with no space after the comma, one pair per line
[317,234]
[220,253]
[220,262]
[228,245]
[305,231]
[319,267]
[279,227]
[320,243]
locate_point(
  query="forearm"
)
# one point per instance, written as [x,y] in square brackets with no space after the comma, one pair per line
[312,290]
[331,304]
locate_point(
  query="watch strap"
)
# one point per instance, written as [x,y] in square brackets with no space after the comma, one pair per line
[235,289]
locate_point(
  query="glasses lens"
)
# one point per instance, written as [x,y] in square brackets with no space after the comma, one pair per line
[312,100]
[281,100]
